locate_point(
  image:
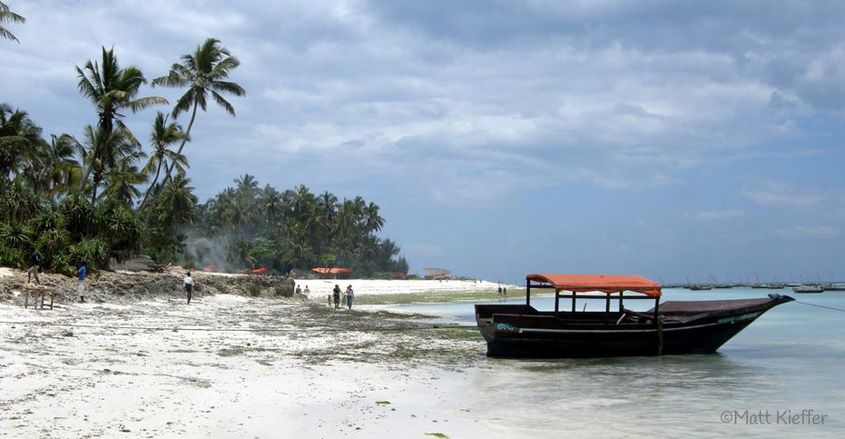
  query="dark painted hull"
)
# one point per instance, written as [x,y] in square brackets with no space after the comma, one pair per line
[521,331]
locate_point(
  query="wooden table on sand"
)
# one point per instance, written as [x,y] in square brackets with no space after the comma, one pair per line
[40,293]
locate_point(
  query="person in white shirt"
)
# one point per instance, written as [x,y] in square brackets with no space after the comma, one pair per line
[188,281]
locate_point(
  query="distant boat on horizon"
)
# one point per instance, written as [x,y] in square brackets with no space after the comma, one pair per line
[808,289]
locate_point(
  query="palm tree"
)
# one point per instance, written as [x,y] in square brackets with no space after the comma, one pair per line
[162,137]
[20,137]
[55,168]
[112,89]
[7,16]
[373,221]
[247,186]
[122,179]
[204,72]
[177,203]
[271,203]
[101,148]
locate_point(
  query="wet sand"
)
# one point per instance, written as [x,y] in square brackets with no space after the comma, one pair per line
[230,366]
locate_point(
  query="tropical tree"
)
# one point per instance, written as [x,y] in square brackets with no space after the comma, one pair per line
[7,16]
[164,134]
[103,154]
[111,89]
[20,138]
[60,171]
[205,72]
[177,203]
[121,180]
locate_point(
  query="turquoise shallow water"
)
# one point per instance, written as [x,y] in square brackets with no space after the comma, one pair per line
[790,360]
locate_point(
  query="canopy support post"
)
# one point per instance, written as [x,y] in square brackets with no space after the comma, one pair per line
[573,301]
[557,300]
[621,293]
[659,325]
[528,292]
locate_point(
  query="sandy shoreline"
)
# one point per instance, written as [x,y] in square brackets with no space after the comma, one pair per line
[103,370]
[145,364]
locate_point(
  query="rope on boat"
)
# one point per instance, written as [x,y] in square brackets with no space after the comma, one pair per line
[820,306]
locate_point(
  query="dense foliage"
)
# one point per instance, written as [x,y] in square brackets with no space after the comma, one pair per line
[98,197]
[294,229]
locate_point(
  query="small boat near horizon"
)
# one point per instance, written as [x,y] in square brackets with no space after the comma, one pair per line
[809,289]
[673,327]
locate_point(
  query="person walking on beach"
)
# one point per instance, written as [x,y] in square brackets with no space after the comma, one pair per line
[188,281]
[349,295]
[329,300]
[35,258]
[306,291]
[336,296]
[298,290]
[81,272]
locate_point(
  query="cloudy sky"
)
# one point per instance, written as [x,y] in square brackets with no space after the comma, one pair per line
[679,140]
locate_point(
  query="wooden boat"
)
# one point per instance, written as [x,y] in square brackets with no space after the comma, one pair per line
[809,289]
[674,327]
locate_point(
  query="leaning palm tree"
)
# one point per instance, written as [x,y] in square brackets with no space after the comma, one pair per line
[113,89]
[7,16]
[164,134]
[204,72]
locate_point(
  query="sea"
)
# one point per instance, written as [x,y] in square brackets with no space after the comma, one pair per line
[783,376]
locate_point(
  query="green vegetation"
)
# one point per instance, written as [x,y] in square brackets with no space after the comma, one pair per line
[7,16]
[97,196]
[295,229]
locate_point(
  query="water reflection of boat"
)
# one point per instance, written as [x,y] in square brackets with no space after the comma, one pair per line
[809,289]
[674,327]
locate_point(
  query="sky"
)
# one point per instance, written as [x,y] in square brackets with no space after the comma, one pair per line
[680,140]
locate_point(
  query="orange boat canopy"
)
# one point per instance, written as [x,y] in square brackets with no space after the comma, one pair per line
[335,270]
[605,283]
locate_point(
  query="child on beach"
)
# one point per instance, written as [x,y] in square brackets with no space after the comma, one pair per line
[329,300]
[189,285]
[298,290]
[349,295]
[336,296]
[81,272]
[306,291]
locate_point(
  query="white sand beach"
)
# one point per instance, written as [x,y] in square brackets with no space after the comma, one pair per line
[99,370]
[374,287]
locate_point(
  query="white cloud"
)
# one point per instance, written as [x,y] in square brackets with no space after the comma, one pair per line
[775,193]
[717,215]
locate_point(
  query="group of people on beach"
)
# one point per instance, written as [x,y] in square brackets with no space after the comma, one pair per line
[335,298]
[35,268]
[336,294]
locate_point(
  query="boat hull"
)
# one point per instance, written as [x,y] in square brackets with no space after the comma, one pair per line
[528,333]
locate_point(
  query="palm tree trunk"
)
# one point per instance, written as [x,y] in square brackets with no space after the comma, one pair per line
[97,177]
[182,145]
[153,184]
